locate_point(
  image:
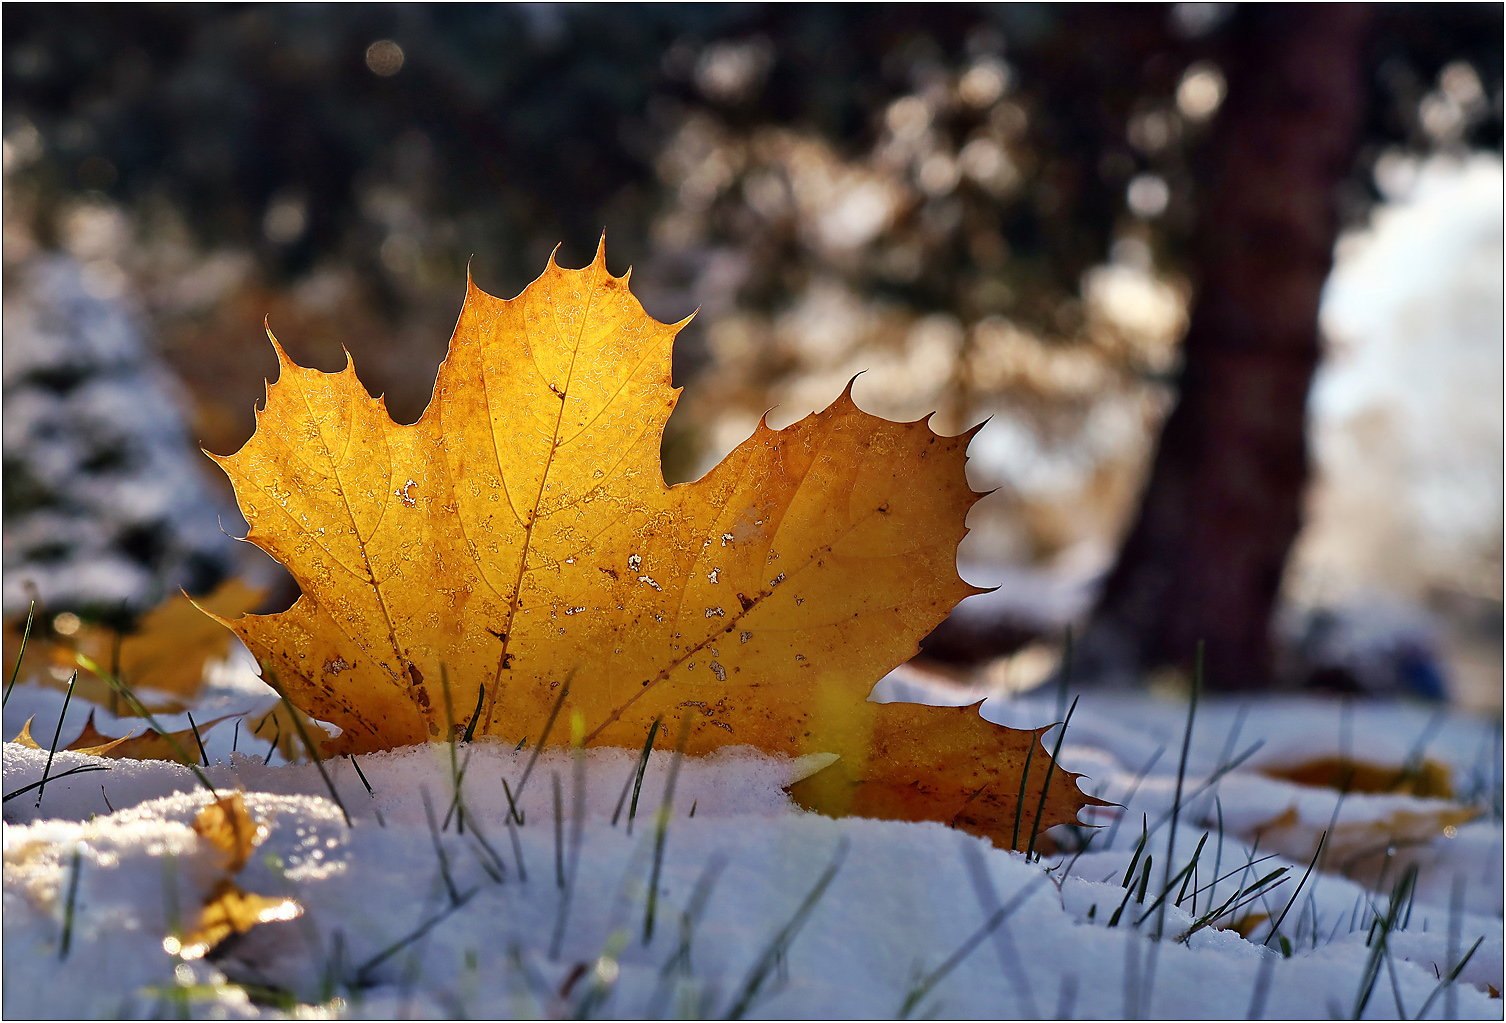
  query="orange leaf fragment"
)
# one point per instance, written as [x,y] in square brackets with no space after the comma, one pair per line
[23,738]
[1428,779]
[150,745]
[948,764]
[92,742]
[227,911]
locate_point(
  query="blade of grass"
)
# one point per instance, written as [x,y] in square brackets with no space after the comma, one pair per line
[1276,927]
[83,769]
[1378,948]
[363,972]
[16,671]
[1447,980]
[276,738]
[440,854]
[1129,874]
[1262,987]
[577,829]
[1455,921]
[513,813]
[457,803]
[661,828]
[1241,897]
[1212,780]
[198,738]
[1176,805]
[470,728]
[449,731]
[1040,808]
[648,744]
[361,774]
[774,952]
[988,898]
[72,900]
[1066,674]
[308,745]
[559,833]
[517,848]
[1185,872]
[1019,802]
[119,686]
[1130,796]
[1144,878]
[479,837]
[554,712]
[927,983]
[56,733]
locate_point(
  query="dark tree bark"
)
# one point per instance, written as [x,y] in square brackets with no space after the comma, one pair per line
[1204,559]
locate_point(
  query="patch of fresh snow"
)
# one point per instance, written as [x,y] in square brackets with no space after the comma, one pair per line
[902,900]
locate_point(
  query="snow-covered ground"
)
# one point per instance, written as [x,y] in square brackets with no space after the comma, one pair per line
[762,909]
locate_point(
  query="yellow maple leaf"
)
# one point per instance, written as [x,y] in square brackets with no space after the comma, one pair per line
[520,535]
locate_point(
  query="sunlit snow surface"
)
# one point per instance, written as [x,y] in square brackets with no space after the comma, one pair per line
[903,899]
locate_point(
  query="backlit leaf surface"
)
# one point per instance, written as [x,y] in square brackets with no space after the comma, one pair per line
[520,535]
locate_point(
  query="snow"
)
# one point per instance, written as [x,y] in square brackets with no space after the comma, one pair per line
[902,900]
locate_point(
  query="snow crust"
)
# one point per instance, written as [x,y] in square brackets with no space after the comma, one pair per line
[904,900]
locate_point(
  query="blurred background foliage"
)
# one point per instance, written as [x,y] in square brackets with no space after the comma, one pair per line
[989,208]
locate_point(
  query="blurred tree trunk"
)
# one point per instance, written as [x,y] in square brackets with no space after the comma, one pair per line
[1204,559]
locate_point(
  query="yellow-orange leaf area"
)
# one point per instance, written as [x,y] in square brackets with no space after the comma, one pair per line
[520,537]
[166,654]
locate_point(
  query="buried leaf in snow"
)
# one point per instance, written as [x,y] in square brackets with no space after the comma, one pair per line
[226,825]
[1427,779]
[521,532]
[227,911]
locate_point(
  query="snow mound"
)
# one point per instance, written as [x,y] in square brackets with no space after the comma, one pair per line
[759,909]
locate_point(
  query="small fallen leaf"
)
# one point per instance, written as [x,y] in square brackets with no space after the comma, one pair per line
[229,910]
[92,742]
[166,654]
[154,745]
[226,825]
[23,738]
[1351,845]
[1429,779]
[1246,925]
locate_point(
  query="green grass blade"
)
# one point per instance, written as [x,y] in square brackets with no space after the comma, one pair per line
[16,671]
[56,733]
